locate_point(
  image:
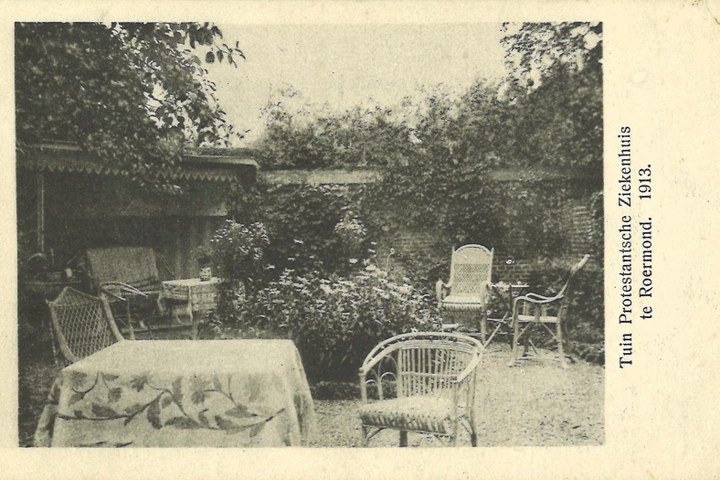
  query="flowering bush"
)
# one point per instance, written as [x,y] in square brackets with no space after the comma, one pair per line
[237,250]
[313,228]
[335,322]
[351,234]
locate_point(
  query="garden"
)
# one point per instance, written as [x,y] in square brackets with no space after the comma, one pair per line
[338,267]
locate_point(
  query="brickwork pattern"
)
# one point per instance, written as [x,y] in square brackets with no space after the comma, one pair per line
[506,267]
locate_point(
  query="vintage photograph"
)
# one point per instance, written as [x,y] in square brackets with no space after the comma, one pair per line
[310,235]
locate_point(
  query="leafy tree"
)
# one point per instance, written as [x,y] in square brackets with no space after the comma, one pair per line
[555,82]
[133,95]
[437,154]
[303,135]
[535,52]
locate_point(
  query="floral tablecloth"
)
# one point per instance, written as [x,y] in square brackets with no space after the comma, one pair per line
[214,393]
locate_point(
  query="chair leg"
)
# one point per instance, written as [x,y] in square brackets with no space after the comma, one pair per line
[364,439]
[473,425]
[561,351]
[129,320]
[403,438]
[516,332]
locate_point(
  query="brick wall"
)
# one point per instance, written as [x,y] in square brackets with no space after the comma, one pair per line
[575,220]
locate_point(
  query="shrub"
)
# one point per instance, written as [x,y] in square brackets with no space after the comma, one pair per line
[311,228]
[336,321]
[237,250]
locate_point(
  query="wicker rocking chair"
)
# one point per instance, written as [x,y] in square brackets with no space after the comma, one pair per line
[468,288]
[129,274]
[434,379]
[81,324]
[533,310]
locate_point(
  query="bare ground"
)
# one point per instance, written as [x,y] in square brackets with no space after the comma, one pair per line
[533,404]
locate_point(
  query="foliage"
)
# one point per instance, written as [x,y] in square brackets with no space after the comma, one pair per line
[556,82]
[312,228]
[538,51]
[596,232]
[336,390]
[310,137]
[336,321]
[237,252]
[351,235]
[203,255]
[467,166]
[438,152]
[131,94]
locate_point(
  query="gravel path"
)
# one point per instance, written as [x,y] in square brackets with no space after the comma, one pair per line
[534,404]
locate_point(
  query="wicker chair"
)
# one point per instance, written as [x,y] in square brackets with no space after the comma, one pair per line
[81,324]
[126,273]
[434,379]
[532,310]
[470,274]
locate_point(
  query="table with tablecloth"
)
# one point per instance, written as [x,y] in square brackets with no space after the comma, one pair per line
[180,393]
[189,296]
[194,294]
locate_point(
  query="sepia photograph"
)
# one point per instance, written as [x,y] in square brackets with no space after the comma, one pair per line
[272,235]
[407,239]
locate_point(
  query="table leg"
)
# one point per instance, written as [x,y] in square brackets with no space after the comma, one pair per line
[193,328]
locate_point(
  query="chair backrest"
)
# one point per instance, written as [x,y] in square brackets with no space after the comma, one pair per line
[470,270]
[135,266]
[568,289]
[425,363]
[82,324]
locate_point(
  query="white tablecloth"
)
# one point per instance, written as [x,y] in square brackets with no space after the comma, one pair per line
[213,393]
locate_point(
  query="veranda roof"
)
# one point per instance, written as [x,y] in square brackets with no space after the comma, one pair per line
[69,158]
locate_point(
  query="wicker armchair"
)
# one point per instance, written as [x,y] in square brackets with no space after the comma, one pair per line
[467,291]
[129,274]
[81,324]
[533,310]
[433,375]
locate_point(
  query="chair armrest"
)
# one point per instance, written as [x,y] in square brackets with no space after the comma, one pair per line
[537,299]
[441,289]
[462,376]
[112,288]
[539,303]
[113,295]
[542,298]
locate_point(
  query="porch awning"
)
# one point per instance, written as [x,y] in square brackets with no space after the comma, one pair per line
[68,158]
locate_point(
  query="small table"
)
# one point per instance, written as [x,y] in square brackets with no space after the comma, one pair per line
[507,292]
[196,295]
[181,393]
